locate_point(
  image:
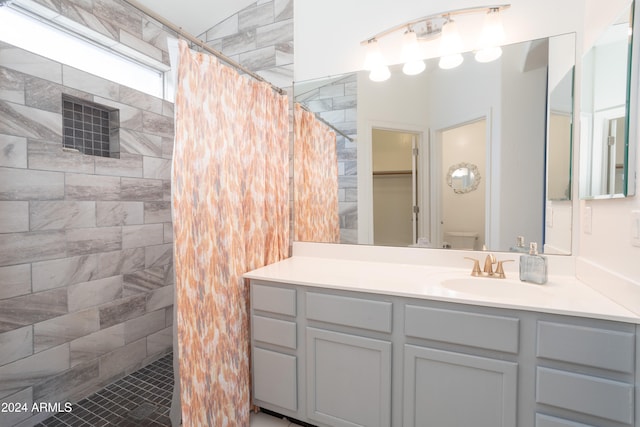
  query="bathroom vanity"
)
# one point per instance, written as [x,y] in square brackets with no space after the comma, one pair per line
[359,343]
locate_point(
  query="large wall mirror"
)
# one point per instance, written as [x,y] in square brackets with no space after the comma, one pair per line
[608,138]
[511,119]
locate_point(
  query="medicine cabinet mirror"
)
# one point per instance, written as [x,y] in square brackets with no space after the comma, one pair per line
[609,98]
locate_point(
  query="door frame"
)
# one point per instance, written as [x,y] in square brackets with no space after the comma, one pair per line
[491,185]
[365,172]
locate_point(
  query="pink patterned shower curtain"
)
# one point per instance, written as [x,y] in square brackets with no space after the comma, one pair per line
[230,206]
[315,180]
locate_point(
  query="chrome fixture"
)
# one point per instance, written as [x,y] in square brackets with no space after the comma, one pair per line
[431,27]
[488,270]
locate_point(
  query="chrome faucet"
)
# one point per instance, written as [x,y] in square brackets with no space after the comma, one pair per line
[488,270]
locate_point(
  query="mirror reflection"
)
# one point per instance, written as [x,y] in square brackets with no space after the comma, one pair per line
[560,130]
[605,107]
[490,115]
[463,178]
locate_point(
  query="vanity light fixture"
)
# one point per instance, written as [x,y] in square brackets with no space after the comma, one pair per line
[437,26]
[450,46]
[491,38]
[413,63]
[375,63]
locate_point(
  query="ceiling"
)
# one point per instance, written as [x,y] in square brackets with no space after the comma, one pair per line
[195,16]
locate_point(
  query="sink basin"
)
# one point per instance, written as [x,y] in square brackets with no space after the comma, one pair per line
[496,288]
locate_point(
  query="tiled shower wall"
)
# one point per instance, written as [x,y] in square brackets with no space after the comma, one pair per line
[260,37]
[336,103]
[86,271]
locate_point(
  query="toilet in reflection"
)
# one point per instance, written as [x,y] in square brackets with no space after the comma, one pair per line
[462,240]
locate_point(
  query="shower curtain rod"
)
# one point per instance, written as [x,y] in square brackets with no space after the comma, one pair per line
[200,43]
[305,108]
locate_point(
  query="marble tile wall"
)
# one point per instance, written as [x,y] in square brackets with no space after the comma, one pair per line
[337,104]
[86,254]
[260,37]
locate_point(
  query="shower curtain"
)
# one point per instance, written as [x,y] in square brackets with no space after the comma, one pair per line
[230,204]
[315,180]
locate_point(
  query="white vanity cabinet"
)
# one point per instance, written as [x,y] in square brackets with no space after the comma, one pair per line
[336,358]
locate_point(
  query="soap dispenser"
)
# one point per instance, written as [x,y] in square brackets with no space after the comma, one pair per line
[519,247]
[533,266]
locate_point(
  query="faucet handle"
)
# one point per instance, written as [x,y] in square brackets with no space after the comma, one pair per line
[499,270]
[476,267]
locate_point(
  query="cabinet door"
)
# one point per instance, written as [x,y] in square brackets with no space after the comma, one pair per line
[442,388]
[275,378]
[348,379]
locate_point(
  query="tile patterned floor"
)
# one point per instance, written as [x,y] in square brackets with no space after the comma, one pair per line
[142,399]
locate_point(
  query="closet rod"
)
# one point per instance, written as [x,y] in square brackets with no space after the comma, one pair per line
[305,108]
[200,43]
[390,173]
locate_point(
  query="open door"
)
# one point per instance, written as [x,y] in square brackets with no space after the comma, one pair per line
[395,187]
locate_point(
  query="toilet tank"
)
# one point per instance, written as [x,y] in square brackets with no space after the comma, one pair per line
[465,240]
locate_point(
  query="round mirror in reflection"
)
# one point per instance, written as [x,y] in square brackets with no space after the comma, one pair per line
[463,177]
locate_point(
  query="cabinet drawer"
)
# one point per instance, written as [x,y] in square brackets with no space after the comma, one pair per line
[273,299]
[275,378]
[612,400]
[600,348]
[456,327]
[547,421]
[274,331]
[355,312]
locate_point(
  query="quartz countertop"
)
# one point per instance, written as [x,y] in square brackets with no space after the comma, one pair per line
[564,295]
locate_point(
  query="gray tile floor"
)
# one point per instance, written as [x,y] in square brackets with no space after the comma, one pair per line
[142,399]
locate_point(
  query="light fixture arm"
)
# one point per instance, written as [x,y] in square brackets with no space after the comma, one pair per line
[442,15]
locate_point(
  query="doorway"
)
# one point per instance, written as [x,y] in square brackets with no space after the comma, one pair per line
[395,187]
[461,214]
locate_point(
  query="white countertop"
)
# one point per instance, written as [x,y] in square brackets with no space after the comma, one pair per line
[560,295]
